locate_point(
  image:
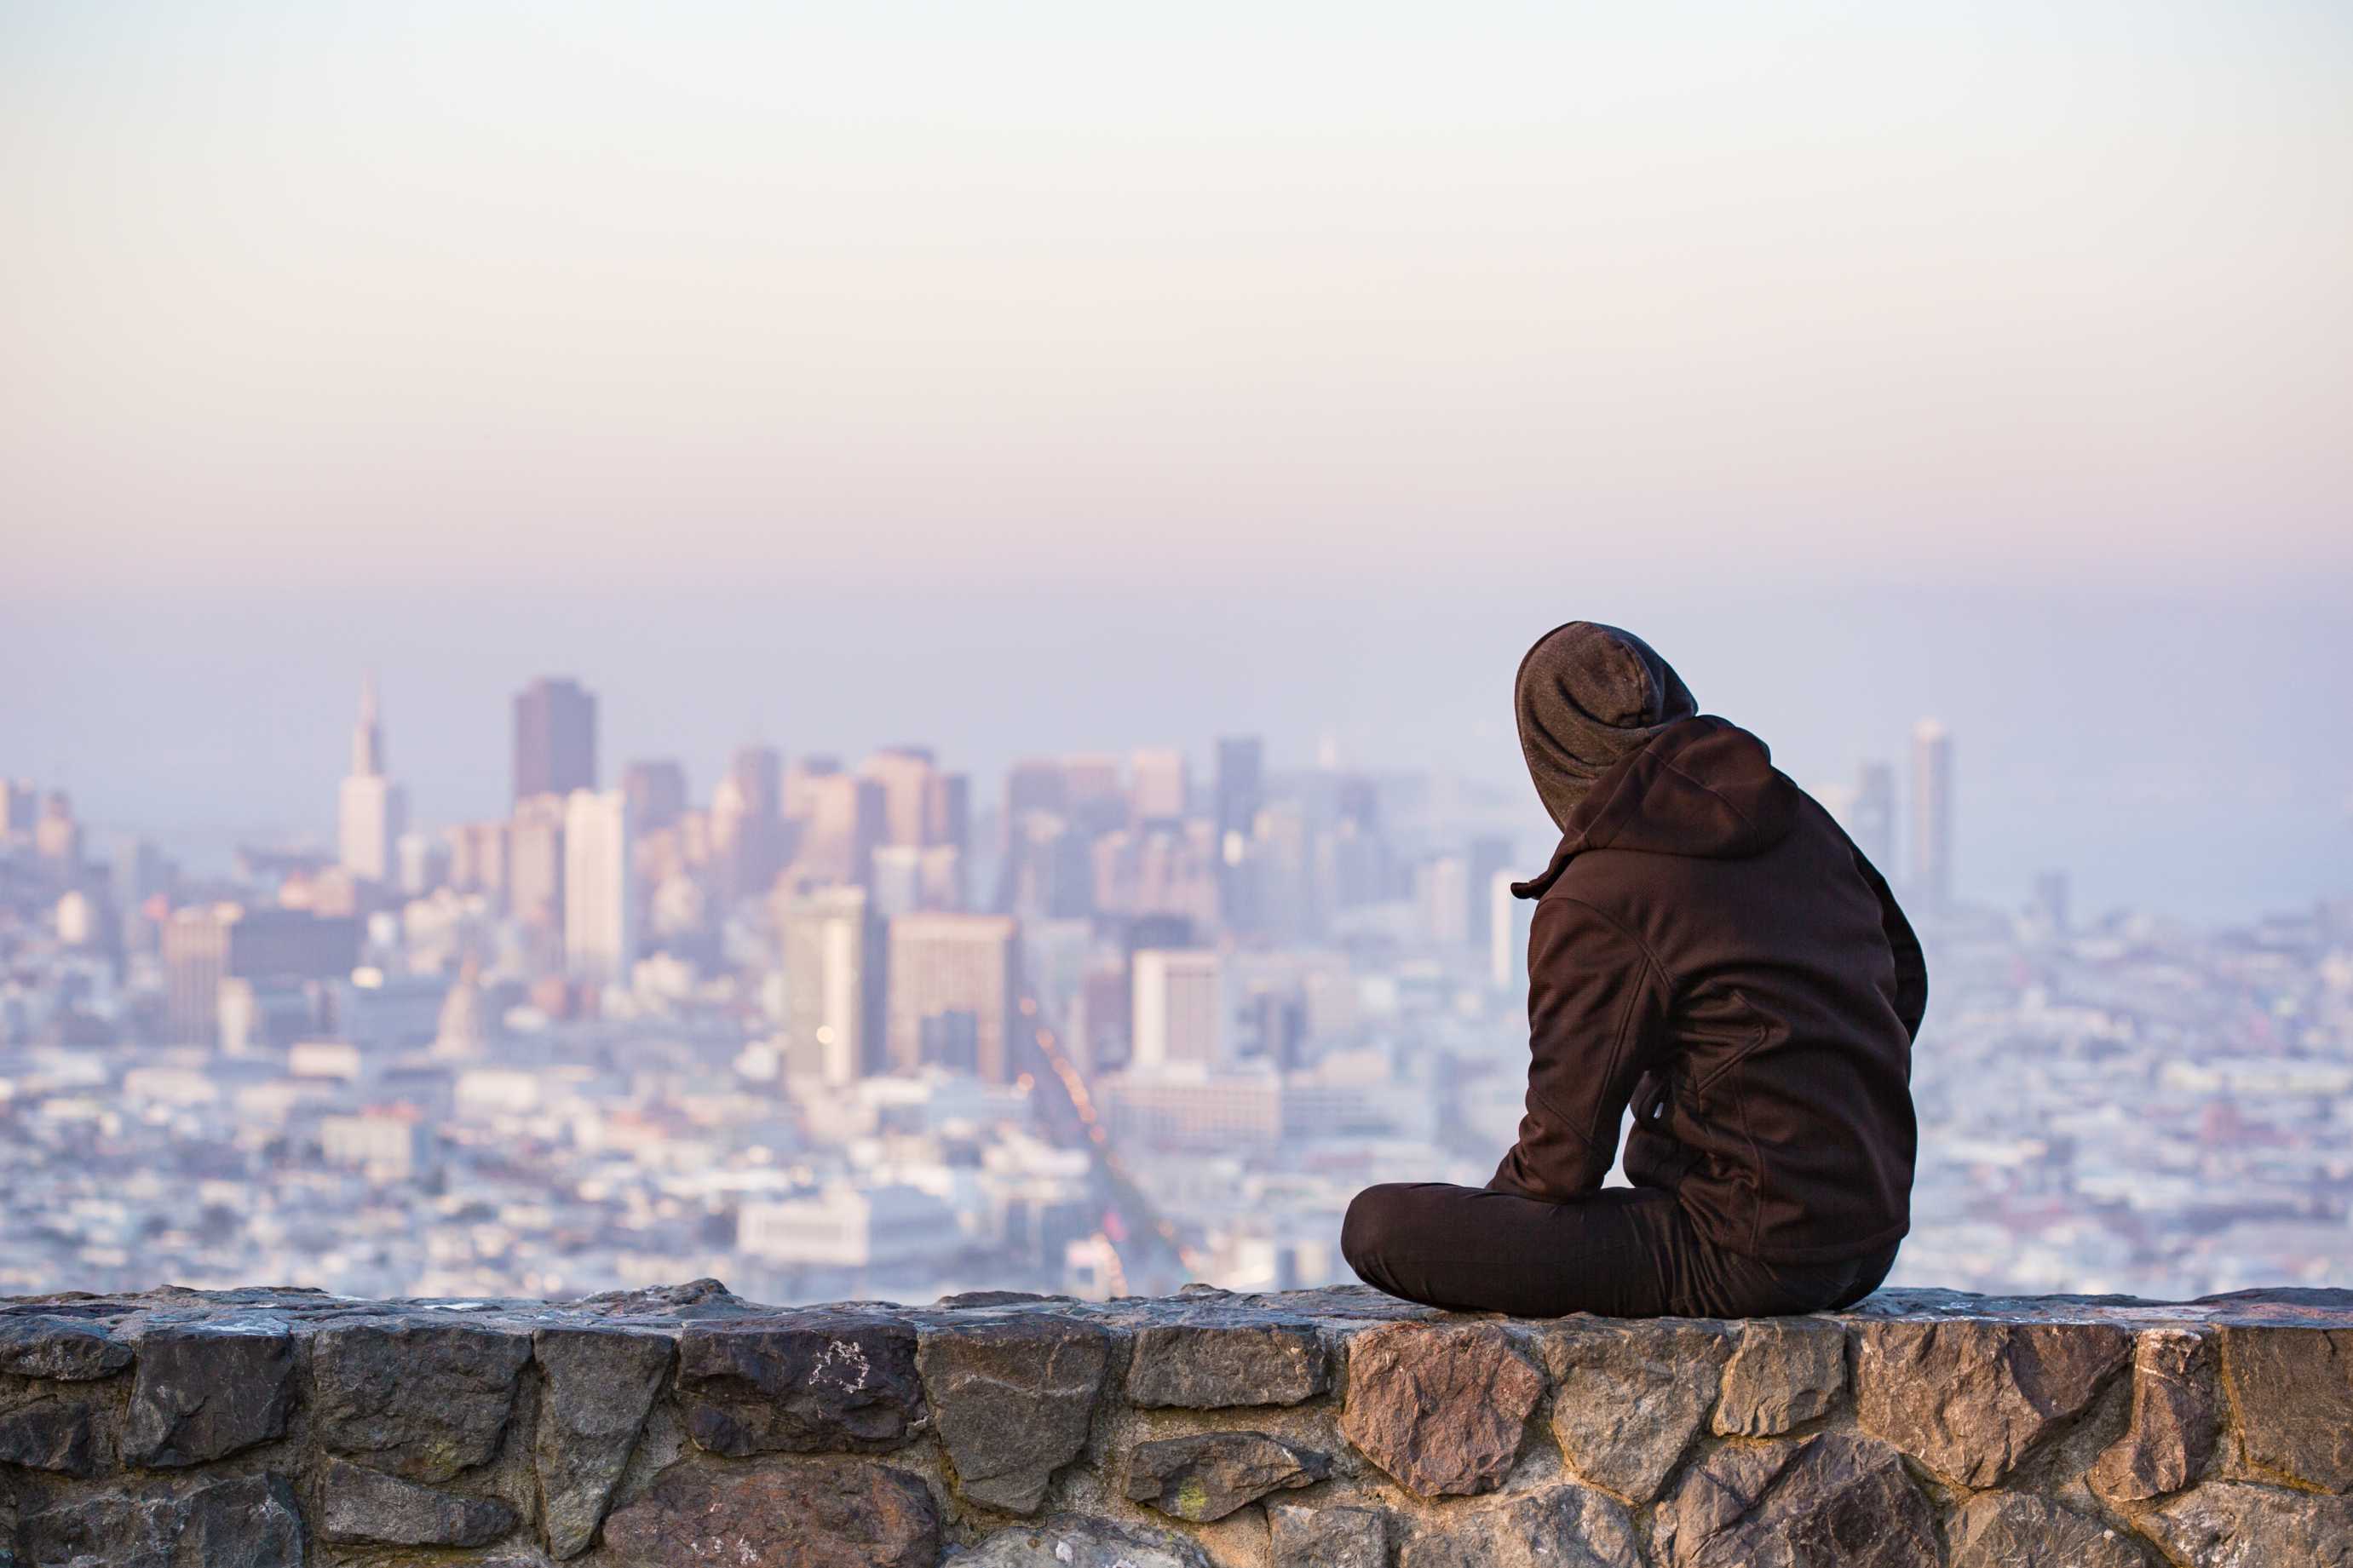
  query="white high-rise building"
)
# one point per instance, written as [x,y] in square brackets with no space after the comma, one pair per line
[1932,816]
[1178,997]
[600,936]
[832,960]
[371,811]
[1508,920]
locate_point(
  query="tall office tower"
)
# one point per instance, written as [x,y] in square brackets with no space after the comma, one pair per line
[1095,798]
[1241,784]
[905,773]
[657,791]
[478,857]
[600,913]
[748,823]
[942,965]
[371,811]
[1932,816]
[1046,872]
[1441,892]
[1035,784]
[57,837]
[833,986]
[1179,1005]
[1874,813]
[800,782]
[19,800]
[194,943]
[554,738]
[535,863]
[842,824]
[1159,785]
[947,813]
[1489,854]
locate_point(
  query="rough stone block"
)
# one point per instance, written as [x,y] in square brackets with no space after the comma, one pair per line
[809,1382]
[1970,1397]
[1784,1372]
[1012,1398]
[65,1349]
[1208,1475]
[201,1393]
[1829,1501]
[1561,1527]
[1220,1362]
[1629,1397]
[2232,1524]
[1069,1542]
[422,1400]
[52,1434]
[597,1386]
[2292,1390]
[1440,1407]
[358,1506]
[2019,1530]
[2175,1414]
[855,1515]
[1298,1536]
[250,1521]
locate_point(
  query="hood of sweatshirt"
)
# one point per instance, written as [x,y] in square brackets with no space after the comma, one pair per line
[1702,787]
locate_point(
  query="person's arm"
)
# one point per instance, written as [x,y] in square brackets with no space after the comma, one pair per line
[1596,1002]
[1910,964]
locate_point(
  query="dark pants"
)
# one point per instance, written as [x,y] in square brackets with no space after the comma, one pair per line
[1623,1252]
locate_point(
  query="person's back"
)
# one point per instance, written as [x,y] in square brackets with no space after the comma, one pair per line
[1710,947]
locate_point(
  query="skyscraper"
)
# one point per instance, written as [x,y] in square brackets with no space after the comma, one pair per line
[1157,785]
[371,811]
[554,738]
[943,964]
[833,986]
[600,894]
[1932,816]
[1241,782]
[1874,816]
[905,773]
[657,791]
[1179,1009]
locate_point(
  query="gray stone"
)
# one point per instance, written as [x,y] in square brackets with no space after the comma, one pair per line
[1012,1398]
[808,1383]
[358,1506]
[1829,1501]
[1208,1475]
[2017,1529]
[248,1522]
[51,1434]
[62,1348]
[1442,1407]
[1067,1541]
[1969,1398]
[201,1393]
[2232,1524]
[2292,1390]
[1221,1361]
[1564,1526]
[2175,1416]
[596,1387]
[422,1399]
[1629,1397]
[1784,1372]
[858,1515]
[1346,1537]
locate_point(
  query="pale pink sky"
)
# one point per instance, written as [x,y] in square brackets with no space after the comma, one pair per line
[1059,293]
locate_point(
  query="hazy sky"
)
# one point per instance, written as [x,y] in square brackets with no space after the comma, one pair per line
[1271,360]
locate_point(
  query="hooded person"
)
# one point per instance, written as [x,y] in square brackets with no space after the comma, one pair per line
[1710,949]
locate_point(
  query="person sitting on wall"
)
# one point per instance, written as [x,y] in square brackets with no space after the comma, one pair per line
[1710,947]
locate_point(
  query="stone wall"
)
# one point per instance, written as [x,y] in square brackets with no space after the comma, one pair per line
[1336,1428]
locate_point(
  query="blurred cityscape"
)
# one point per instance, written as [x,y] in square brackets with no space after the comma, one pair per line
[838,1029]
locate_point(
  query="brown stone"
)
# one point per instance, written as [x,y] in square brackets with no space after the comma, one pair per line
[358,1506]
[50,1434]
[250,1521]
[201,1393]
[1831,1501]
[1784,1372]
[2230,1524]
[2175,1413]
[808,1383]
[1013,1398]
[1208,1475]
[2292,1389]
[1629,1397]
[1303,1537]
[833,1516]
[1440,1407]
[1221,1361]
[595,1388]
[1969,1397]
[422,1400]
[60,1348]
[1566,1526]
[2017,1529]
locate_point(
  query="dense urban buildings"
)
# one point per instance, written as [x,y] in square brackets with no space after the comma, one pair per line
[858,1027]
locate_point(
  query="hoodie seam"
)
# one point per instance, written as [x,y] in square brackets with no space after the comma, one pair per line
[1666,976]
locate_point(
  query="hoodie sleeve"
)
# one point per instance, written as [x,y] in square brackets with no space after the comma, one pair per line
[1596,1007]
[1911,963]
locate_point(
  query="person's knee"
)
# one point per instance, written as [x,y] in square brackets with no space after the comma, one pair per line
[1366,1232]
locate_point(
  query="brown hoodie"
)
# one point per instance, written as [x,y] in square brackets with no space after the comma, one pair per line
[1711,947]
